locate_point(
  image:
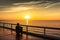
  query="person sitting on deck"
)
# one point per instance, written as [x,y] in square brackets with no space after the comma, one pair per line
[18,29]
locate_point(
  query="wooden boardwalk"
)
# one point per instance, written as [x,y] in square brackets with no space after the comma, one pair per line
[6,35]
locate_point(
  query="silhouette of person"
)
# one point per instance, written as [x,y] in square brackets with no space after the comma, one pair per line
[18,29]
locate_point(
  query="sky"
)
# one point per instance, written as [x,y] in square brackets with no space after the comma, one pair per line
[37,9]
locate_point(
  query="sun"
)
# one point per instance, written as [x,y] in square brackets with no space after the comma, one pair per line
[27,16]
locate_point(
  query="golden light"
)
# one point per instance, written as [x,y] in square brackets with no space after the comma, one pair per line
[27,16]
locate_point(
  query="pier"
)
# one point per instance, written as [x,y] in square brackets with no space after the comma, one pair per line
[7,32]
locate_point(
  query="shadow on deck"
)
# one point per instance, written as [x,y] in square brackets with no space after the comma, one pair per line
[7,35]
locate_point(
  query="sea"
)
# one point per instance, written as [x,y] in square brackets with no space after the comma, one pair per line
[46,23]
[42,23]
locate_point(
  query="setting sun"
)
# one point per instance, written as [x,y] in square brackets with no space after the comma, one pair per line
[27,16]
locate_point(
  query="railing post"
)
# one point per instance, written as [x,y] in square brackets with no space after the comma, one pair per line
[44,32]
[26,29]
[27,32]
[3,27]
[11,28]
[0,24]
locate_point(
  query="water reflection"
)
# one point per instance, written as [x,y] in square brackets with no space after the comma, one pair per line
[18,37]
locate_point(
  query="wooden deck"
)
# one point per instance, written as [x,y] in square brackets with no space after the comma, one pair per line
[7,35]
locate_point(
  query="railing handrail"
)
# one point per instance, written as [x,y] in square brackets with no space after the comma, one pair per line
[34,26]
[27,31]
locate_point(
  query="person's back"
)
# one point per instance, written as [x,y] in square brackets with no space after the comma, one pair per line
[18,29]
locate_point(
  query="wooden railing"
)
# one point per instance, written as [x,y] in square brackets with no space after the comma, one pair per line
[27,27]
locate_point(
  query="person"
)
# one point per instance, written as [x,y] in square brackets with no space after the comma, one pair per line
[18,29]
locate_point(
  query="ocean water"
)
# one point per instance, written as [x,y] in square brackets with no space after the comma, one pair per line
[46,23]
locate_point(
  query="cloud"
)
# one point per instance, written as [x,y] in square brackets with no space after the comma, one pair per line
[15,9]
[10,5]
[52,5]
[28,3]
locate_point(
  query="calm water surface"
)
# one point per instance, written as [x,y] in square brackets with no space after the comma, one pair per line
[47,23]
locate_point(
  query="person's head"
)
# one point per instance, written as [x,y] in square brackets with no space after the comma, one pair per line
[17,23]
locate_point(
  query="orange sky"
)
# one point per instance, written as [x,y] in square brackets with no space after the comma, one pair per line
[37,9]
[36,13]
